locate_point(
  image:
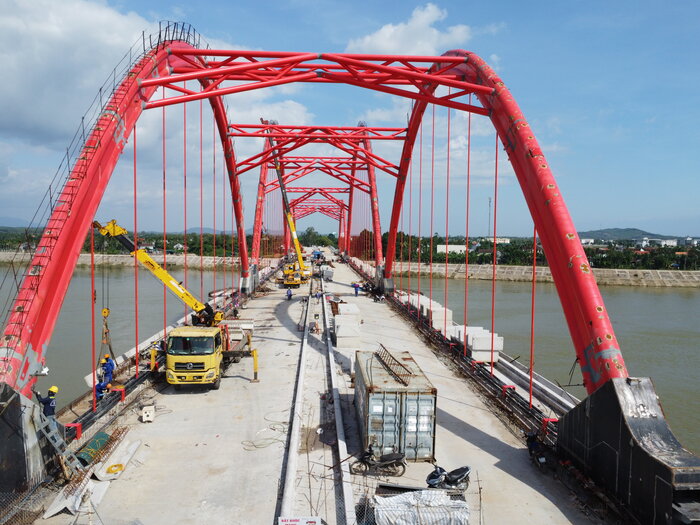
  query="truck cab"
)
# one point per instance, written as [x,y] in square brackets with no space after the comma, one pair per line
[194,355]
[200,354]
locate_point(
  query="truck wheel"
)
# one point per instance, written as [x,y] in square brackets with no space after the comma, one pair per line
[216,384]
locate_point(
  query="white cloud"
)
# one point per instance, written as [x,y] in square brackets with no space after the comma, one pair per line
[61,52]
[417,36]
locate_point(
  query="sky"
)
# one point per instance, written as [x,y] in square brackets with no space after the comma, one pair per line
[610,90]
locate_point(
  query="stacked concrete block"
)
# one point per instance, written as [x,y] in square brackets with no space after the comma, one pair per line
[479,346]
[402,296]
[455,333]
[440,317]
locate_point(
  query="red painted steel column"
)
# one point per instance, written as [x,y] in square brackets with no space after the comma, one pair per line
[374,203]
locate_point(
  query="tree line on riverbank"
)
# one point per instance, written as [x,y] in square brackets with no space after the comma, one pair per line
[518,252]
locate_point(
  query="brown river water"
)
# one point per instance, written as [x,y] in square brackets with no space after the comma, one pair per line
[658,329]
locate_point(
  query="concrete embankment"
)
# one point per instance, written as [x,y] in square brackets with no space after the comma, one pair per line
[176,261]
[604,276]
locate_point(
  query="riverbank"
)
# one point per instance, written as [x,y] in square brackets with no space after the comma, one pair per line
[604,276]
[174,261]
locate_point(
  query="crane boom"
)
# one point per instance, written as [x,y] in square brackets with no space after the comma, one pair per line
[288,212]
[203,310]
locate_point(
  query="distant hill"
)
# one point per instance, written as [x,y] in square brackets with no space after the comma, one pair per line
[13,222]
[622,234]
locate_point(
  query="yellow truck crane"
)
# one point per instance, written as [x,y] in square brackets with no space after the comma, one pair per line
[195,354]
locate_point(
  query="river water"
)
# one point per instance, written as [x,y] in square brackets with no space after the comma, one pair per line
[658,330]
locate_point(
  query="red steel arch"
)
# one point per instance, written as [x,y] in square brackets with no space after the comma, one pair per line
[36,308]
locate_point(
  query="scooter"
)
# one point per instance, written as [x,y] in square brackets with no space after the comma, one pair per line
[457,479]
[536,450]
[393,464]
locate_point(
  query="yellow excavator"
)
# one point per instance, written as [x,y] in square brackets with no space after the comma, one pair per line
[204,314]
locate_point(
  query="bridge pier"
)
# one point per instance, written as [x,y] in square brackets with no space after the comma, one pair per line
[619,437]
[22,464]
[250,283]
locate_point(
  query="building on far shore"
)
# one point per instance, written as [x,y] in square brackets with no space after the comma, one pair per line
[646,241]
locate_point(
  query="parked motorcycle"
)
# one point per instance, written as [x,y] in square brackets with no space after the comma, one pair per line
[457,479]
[536,450]
[393,464]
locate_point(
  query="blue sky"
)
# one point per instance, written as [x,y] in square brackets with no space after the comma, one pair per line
[609,88]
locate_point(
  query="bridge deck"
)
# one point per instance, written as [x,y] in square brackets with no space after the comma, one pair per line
[217,456]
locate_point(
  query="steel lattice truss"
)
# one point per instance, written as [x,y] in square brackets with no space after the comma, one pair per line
[353,155]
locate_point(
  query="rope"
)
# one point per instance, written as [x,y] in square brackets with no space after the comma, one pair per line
[279,427]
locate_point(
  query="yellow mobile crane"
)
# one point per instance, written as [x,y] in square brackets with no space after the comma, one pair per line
[296,273]
[194,354]
[204,314]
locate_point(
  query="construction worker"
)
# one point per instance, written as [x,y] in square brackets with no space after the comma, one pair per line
[101,389]
[108,366]
[49,403]
[289,294]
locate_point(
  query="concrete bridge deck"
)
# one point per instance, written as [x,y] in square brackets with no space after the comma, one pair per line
[217,457]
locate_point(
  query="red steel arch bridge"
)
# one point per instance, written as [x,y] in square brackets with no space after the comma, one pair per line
[351,161]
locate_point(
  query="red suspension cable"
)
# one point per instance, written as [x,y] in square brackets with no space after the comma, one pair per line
[165,237]
[432,203]
[136,267]
[466,228]
[495,257]
[447,214]
[410,221]
[532,308]
[213,205]
[201,203]
[92,316]
[223,228]
[184,183]
[420,212]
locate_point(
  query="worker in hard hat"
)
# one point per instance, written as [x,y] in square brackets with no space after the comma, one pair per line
[108,366]
[101,389]
[49,403]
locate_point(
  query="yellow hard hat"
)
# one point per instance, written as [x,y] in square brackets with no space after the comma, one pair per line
[53,389]
[109,385]
[103,361]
